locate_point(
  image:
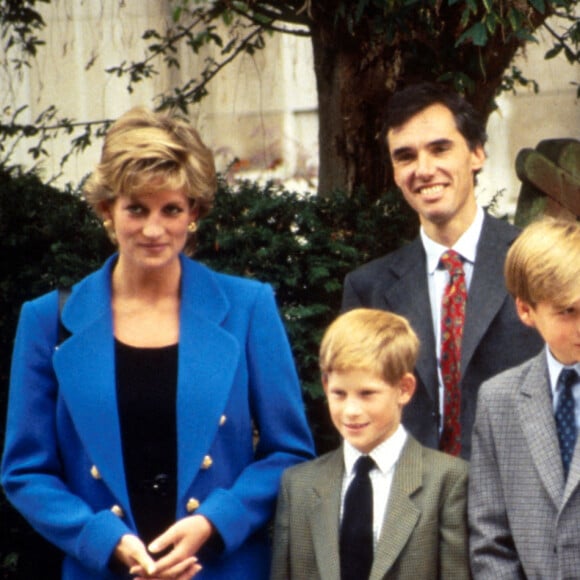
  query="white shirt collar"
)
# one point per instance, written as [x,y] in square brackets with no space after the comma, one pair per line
[385,455]
[466,245]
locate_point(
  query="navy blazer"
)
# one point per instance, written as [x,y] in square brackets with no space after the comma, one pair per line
[63,466]
[494,338]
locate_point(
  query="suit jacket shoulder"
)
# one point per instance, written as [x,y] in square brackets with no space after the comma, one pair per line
[502,387]
[306,473]
[429,466]
[495,233]
[437,461]
[368,284]
[501,227]
[394,264]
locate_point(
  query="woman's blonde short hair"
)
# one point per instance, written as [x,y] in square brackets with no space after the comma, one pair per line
[148,152]
[543,264]
[380,342]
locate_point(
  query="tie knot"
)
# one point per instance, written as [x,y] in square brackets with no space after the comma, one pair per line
[568,377]
[363,465]
[451,260]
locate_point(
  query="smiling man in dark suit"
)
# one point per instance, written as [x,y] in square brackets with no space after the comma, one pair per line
[436,145]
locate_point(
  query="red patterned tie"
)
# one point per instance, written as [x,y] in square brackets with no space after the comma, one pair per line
[452,319]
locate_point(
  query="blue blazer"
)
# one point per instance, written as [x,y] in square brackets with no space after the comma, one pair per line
[63,466]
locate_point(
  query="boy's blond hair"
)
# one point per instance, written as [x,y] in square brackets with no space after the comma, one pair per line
[543,264]
[374,340]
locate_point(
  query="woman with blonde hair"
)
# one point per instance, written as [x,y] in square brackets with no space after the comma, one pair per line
[130,444]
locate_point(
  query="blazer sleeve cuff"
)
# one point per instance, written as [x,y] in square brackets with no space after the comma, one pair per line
[98,540]
[228,516]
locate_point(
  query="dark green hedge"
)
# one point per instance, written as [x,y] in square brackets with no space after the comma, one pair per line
[303,246]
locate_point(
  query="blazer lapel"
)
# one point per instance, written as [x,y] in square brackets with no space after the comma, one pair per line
[487,291]
[208,361]
[409,270]
[573,480]
[402,514]
[325,517]
[84,364]
[537,421]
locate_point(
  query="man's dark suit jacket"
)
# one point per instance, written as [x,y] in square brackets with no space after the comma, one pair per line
[494,338]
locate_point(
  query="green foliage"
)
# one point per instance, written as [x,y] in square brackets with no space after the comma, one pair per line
[49,238]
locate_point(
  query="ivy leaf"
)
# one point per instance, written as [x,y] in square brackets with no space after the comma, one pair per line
[491,22]
[477,34]
[472,5]
[488,5]
[553,52]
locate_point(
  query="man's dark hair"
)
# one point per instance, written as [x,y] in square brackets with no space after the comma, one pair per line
[415,98]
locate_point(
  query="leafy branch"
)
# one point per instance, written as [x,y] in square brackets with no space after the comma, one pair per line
[19,23]
[569,43]
[194,90]
[46,127]
[165,46]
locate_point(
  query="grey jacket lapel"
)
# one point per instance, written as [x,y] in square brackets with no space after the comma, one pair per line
[487,290]
[402,513]
[573,480]
[537,421]
[325,517]
[408,295]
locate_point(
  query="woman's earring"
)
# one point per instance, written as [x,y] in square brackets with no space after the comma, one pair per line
[192,227]
[110,229]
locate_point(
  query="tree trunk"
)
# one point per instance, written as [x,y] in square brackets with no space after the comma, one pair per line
[350,106]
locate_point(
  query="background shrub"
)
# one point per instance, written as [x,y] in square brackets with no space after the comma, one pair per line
[303,246]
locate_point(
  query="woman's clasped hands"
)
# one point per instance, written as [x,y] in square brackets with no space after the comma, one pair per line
[183,539]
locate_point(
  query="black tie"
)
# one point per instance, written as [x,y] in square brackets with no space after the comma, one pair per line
[566,417]
[356,530]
